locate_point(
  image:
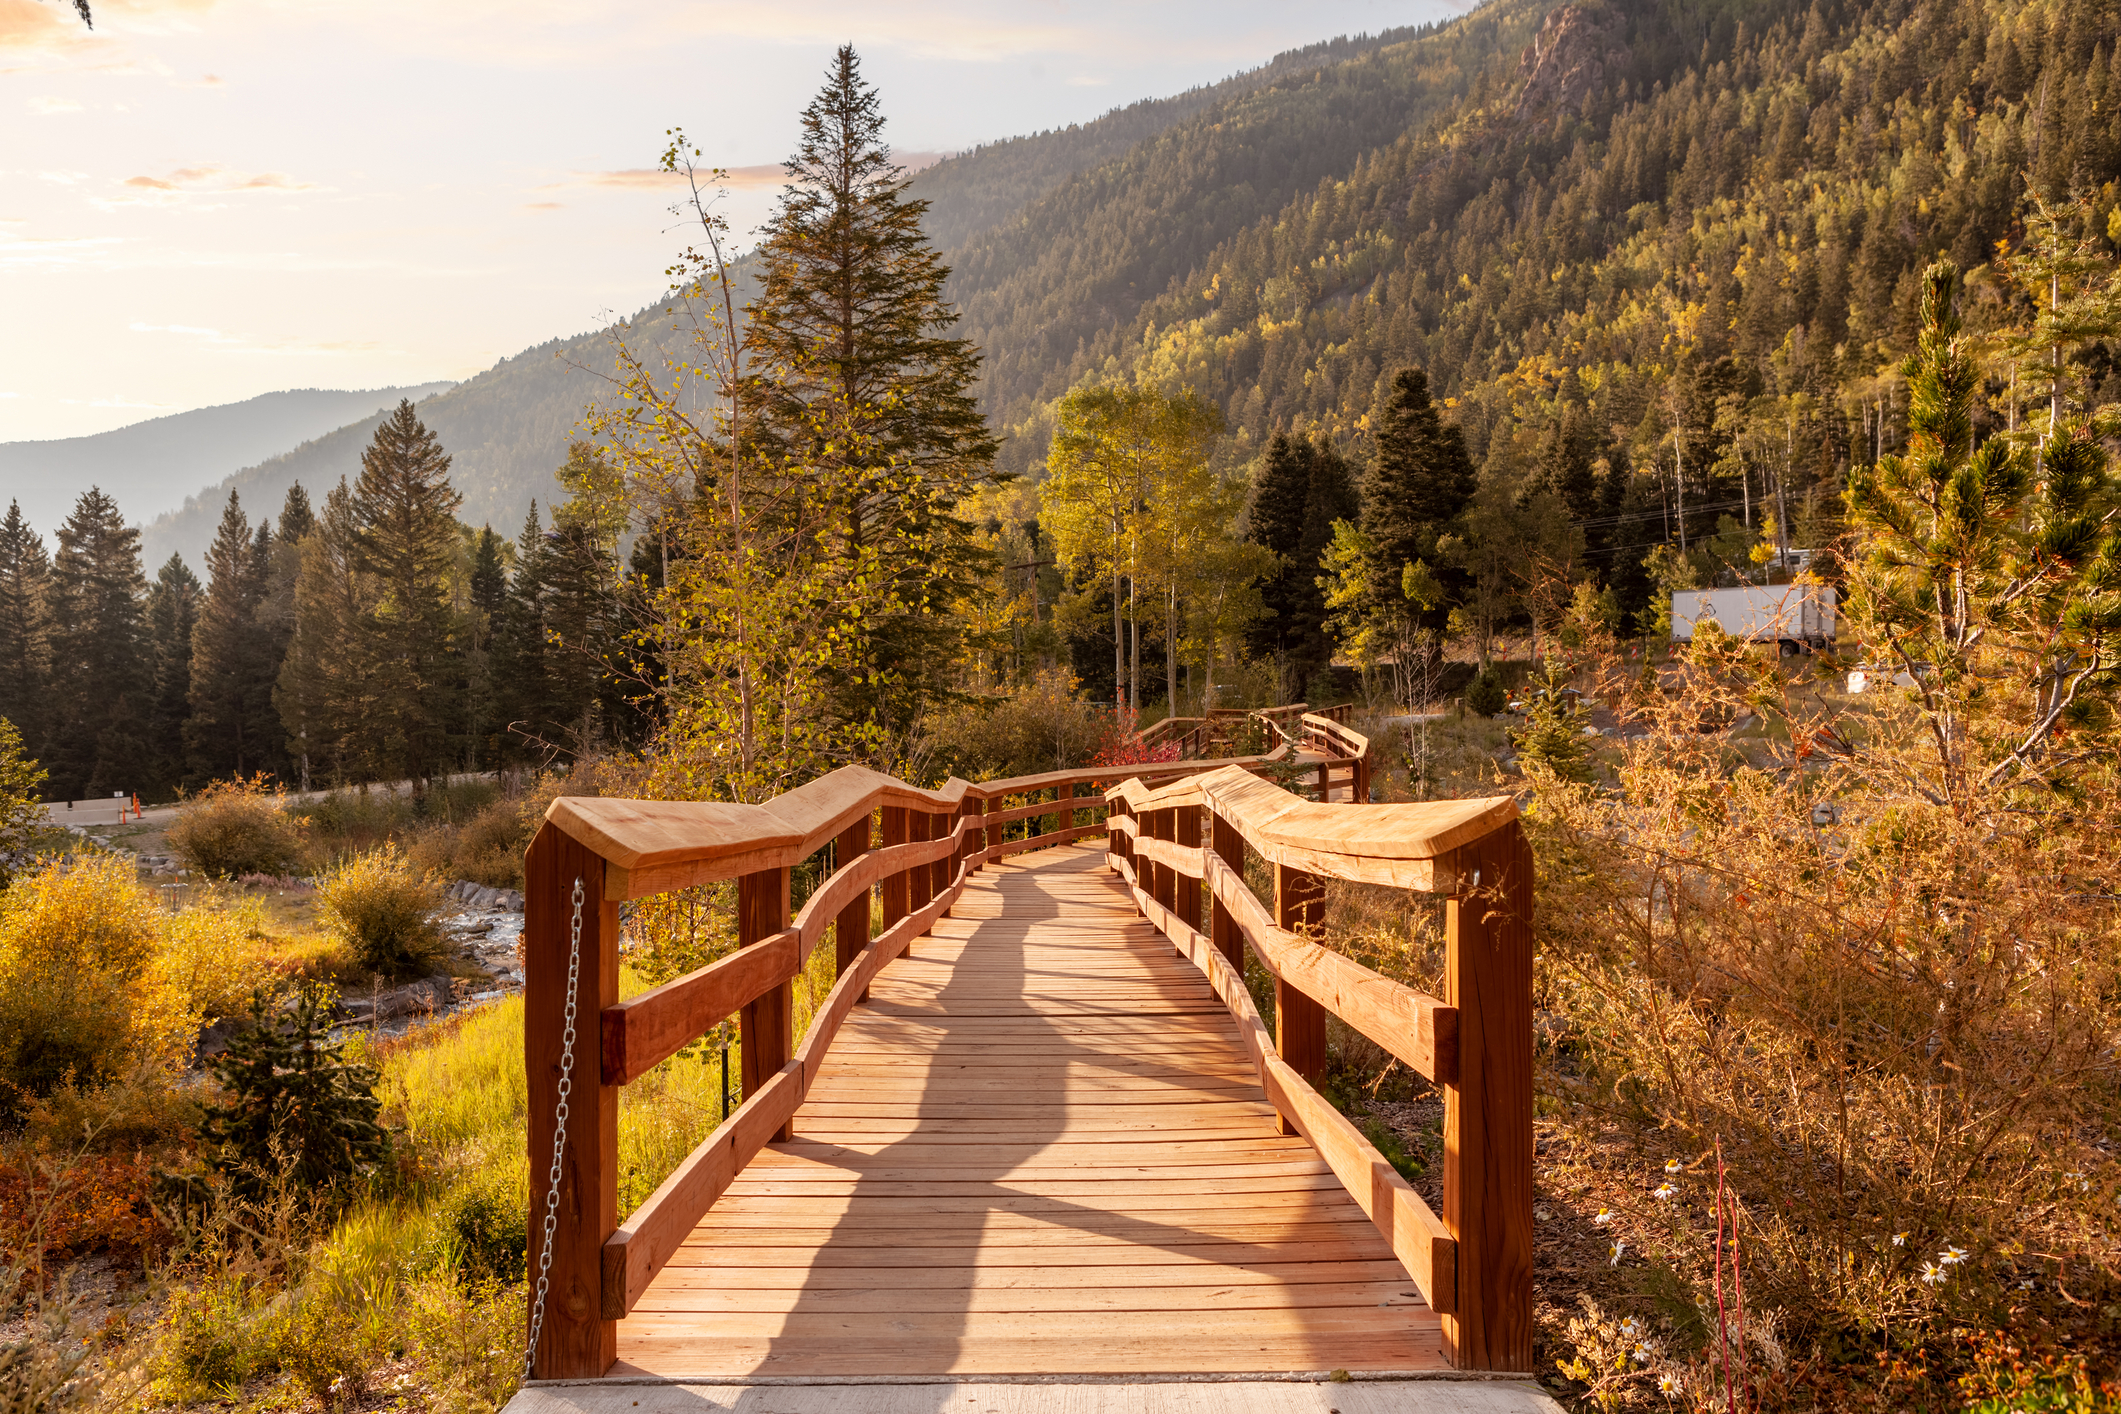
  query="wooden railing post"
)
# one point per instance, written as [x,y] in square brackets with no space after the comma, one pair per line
[1487,1128]
[850,930]
[576,1342]
[939,871]
[1230,846]
[1162,876]
[1299,1022]
[921,885]
[892,893]
[1188,818]
[766,1027]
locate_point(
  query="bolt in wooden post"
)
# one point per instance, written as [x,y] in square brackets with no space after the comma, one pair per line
[766,1027]
[1487,1127]
[894,887]
[576,1343]
[1188,818]
[1229,845]
[1299,1022]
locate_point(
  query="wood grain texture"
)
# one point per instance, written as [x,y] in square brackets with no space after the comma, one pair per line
[1417,1028]
[1040,1148]
[1487,1189]
[577,1339]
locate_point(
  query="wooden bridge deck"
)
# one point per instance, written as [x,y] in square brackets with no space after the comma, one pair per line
[1039,1149]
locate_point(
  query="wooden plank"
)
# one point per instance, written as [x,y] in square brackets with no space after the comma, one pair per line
[1419,1029]
[1399,845]
[643,1031]
[720,1299]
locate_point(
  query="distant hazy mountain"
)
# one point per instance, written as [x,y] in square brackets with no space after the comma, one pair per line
[148,466]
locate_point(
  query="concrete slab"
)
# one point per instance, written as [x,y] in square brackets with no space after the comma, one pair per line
[1071,1395]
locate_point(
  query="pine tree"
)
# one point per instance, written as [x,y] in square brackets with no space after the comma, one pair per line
[1302,488]
[101,678]
[406,539]
[868,393]
[488,603]
[516,651]
[294,1110]
[25,626]
[1275,519]
[324,692]
[172,615]
[1419,483]
[276,615]
[232,669]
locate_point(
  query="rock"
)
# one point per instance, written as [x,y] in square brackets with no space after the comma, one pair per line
[213,1040]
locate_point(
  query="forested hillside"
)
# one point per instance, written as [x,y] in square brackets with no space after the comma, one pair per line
[969,193]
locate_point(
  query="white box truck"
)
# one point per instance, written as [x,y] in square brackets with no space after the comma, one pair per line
[1794,616]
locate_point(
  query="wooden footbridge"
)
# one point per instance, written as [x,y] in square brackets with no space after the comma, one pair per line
[1038,1128]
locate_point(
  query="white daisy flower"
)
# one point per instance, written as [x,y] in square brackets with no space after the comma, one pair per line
[1605,1215]
[1932,1273]
[1952,1256]
[1618,1248]
[1665,1192]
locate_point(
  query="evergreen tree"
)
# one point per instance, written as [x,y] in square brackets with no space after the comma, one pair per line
[488,596]
[868,393]
[1302,487]
[516,651]
[172,616]
[294,1110]
[324,691]
[405,539]
[296,518]
[276,613]
[102,680]
[25,626]
[1419,483]
[1274,519]
[232,669]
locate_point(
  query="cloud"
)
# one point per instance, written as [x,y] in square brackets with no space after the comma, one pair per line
[45,255]
[48,106]
[767,174]
[207,181]
[63,179]
[1085,81]
[543,205]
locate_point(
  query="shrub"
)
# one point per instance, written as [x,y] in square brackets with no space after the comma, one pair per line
[82,997]
[295,1109]
[238,827]
[1552,737]
[1485,695]
[470,1342]
[1041,727]
[385,910]
[321,1346]
[217,1335]
[21,811]
[488,1232]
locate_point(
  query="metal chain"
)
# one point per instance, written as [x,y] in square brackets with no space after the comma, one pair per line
[559,1135]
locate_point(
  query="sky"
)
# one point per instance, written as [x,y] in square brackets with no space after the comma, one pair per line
[204,200]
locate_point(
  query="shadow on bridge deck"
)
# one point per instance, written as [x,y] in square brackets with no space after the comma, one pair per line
[1039,1150]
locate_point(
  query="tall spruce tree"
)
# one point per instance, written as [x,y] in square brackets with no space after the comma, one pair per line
[405,539]
[172,615]
[233,728]
[102,680]
[25,627]
[869,394]
[488,597]
[1419,483]
[1302,487]
[276,612]
[324,692]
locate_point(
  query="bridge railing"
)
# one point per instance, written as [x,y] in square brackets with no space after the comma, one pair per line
[901,855]
[1183,845]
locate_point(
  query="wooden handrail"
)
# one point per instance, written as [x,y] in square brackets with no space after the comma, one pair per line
[915,847]
[1474,1263]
